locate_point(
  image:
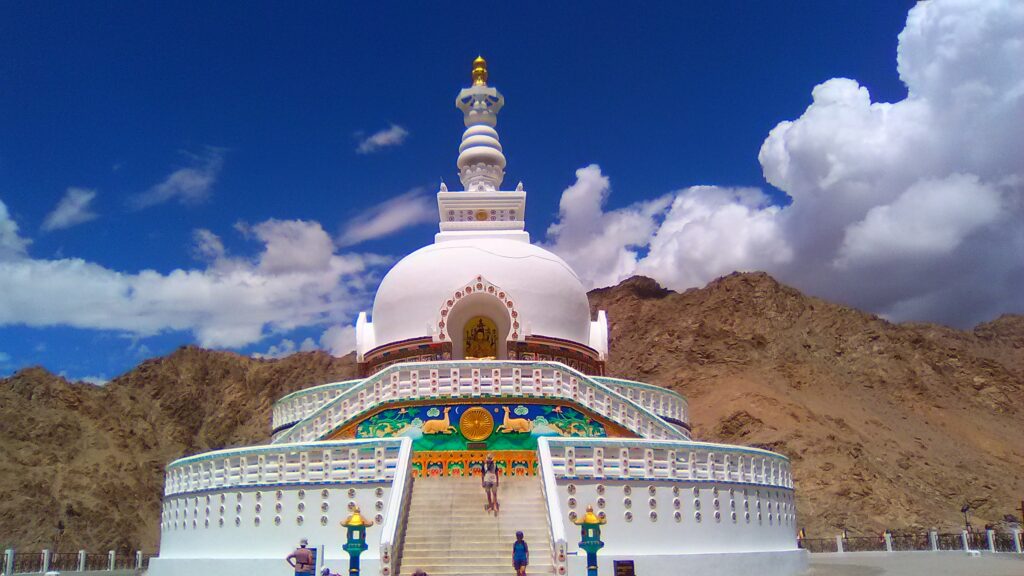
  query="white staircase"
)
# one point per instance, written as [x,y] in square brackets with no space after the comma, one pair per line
[448,532]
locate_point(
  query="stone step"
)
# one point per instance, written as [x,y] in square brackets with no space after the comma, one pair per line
[458,571]
[467,568]
[448,531]
[466,552]
[469,541]
[441,519]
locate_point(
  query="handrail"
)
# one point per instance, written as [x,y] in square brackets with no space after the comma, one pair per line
[647,419]
[279,411]
[390,537]
[550,488]
[665,395]
[637,384]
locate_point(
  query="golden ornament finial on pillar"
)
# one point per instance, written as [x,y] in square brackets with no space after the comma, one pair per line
[479,71]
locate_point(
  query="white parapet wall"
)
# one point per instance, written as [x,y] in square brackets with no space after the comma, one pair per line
[240,512]
[673,507]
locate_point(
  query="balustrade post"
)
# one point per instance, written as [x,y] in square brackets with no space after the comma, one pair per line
[1016,540]
[81,560]
[933,539]
[46,561]
[888,542]
[991,536]
[138,559]
[8,562]
[111,557]
[963,540]
[839,543]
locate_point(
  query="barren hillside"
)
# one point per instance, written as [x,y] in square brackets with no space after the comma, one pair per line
[887,425]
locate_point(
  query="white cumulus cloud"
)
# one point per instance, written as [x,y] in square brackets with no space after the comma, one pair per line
[601,246]
[295,280]
[73,209]
[189,185]
[393,135]
[339,340]
[409,209]
[912,209]
[287,347]
[12,245]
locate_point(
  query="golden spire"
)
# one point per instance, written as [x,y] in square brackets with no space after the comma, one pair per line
[479,71]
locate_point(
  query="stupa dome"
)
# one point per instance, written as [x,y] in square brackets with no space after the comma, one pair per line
[481,290]
[545,294]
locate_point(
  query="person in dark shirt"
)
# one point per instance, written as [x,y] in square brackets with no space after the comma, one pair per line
[520,554]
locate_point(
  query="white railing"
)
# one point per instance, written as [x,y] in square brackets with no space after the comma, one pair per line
[557,528]
[300,404]
[661,401]
[471,379]
[624,459]
[393,531]
[276,464]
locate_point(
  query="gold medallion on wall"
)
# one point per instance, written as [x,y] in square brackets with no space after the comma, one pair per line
[476,424]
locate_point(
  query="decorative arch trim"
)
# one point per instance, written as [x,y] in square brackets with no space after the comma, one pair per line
[478,285]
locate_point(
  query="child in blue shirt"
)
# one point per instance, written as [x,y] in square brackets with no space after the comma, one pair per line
[520,554]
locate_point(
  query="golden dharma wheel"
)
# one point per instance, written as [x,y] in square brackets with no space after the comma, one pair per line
[476,424]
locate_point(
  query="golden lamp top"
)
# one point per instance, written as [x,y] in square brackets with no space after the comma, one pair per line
[590,518]
[479,71]
[356,519]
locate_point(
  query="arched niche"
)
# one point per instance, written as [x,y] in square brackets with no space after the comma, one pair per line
[470,307]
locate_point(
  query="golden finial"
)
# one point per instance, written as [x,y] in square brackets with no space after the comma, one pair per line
[479,71]
[590,517]
[356,519]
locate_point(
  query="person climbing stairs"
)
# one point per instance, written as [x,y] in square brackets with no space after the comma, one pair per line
[449,532]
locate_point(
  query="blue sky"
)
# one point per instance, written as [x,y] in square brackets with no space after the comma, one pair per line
[186,136]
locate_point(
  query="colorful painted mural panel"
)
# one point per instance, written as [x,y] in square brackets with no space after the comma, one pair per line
[470,463]
[485,426]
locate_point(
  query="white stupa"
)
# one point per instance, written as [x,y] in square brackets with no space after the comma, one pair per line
[482,343]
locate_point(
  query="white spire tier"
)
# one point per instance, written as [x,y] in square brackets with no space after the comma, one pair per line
[481,162]
[482,209]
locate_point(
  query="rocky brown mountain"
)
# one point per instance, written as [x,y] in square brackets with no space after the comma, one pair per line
[887,425]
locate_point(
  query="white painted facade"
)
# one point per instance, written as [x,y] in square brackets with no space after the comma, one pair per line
[672,506]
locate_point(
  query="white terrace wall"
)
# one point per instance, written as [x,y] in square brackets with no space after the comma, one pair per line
[240,512]
[667,502]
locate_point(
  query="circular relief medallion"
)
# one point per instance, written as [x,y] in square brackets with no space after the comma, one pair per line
[476,424]
[481,215]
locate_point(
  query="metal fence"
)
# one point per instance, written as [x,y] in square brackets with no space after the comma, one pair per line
[28,563]
[64,561]
[1005,542]
[864,544]
[950,542]
[12,562]
[910,542]
[817,545]
[977,540]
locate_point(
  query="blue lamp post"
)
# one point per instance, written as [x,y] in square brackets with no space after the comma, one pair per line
[590,538]
[356,539]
